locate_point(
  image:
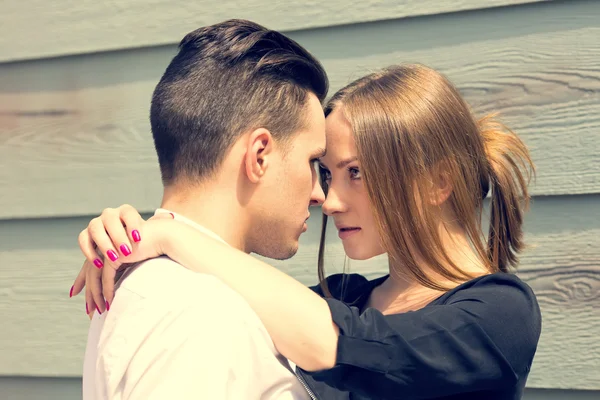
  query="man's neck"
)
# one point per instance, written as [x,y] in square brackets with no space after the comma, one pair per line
[211,206]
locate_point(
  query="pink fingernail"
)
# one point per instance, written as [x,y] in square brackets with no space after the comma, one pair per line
[172,215]
[125,250]
[112,255]
[71,291]
[136,235]
[107,306]
[99,312]
[98,263]
[87,310]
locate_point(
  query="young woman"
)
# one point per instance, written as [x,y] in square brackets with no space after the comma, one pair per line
[406,173]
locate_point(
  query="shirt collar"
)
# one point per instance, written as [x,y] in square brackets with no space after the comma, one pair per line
[191,223]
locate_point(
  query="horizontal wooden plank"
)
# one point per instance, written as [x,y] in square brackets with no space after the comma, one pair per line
[40,388]
[35,29]
[44,331]
[74,132]
[36,388]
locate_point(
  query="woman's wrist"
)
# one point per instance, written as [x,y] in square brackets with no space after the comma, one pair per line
[165,232]
[183,243]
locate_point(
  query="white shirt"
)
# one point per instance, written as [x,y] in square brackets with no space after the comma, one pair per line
[174,333]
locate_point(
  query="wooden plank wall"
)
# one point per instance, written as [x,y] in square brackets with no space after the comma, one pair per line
[34,29]
[89,113]
[74,138]
[25,388]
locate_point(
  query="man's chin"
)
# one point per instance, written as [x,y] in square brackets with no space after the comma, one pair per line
[291,252]
[280,252]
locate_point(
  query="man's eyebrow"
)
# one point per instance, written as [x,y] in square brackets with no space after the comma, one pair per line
[319,153]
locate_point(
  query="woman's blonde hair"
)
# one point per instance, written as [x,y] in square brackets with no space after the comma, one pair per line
[410,122]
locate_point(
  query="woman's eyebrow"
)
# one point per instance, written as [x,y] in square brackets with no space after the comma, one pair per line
[345,162]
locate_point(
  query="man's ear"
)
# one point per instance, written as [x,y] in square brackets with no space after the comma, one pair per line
[258,153]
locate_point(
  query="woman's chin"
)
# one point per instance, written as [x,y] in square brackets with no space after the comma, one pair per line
[361,254]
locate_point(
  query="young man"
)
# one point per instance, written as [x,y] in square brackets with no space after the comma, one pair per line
[237,123]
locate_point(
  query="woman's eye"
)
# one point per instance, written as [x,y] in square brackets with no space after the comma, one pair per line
[354,173]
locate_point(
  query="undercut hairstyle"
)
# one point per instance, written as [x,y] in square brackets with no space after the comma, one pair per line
[227,79]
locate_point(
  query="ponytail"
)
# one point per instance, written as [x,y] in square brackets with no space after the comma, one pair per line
[509,170]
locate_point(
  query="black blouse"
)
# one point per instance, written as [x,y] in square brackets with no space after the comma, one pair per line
[476,341]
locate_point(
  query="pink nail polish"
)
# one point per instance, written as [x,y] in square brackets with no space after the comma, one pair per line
[107,306]
[112,255]
[125,250]
[98,263]
[99,312]
[87,310]
[172,215]
[136,235]
[71,291]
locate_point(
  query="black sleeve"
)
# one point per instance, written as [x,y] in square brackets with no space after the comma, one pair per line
[483,338]
[317,289]
[339,283]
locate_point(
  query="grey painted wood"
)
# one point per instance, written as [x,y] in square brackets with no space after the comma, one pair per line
[37,388]
[34,388]
[74,138]
[35,29]
[74,132]
[44,331]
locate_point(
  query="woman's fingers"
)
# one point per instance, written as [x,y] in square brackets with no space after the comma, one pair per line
[115,232]
[90,305]
[88,247]
[93,284]
[108,285]
[107,243]
[79,282]
[133,221]
[99,235]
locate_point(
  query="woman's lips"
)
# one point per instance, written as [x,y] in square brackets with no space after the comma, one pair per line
[345,233]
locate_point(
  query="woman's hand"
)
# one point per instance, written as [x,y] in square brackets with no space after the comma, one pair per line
[298,320]
[111,242]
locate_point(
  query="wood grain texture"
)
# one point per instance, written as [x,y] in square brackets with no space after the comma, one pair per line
[36,388]
[44,331]
[35,29]
[74,132]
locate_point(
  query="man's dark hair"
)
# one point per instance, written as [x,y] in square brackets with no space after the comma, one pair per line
[226,79]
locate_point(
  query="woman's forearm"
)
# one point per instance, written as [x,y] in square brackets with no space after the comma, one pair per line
[298,320]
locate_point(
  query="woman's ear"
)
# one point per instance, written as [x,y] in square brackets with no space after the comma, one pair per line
[441,187]
[258,154]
